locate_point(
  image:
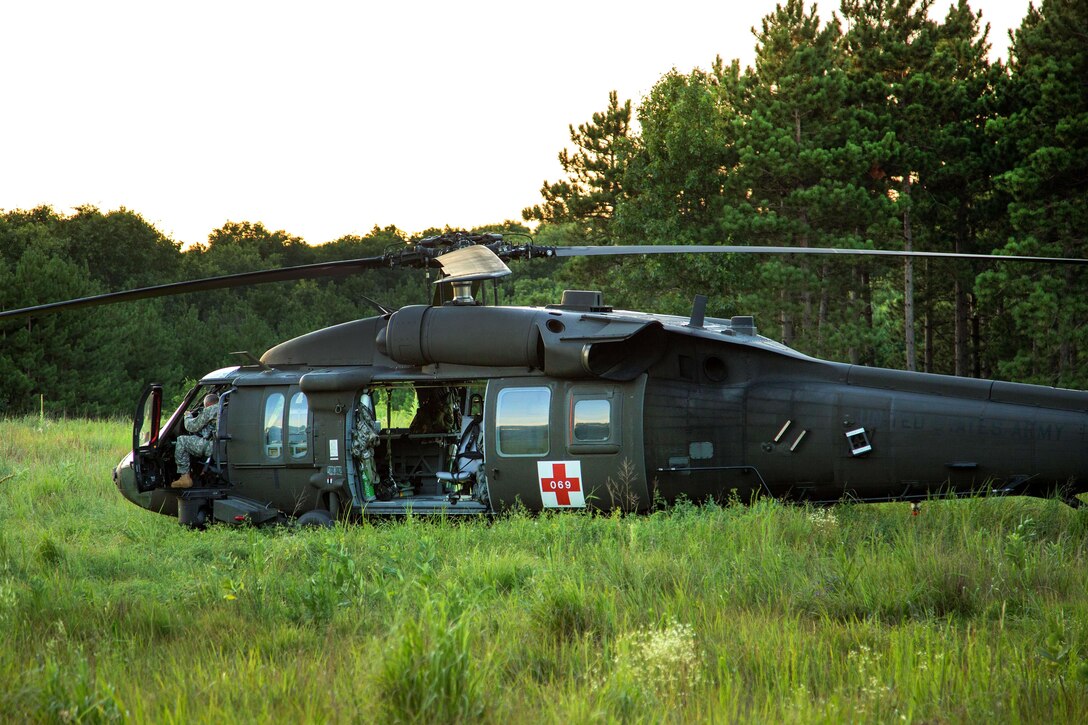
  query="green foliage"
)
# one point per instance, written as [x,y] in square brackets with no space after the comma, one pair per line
[895,131]
[595,173]
[96,361]
[336,583]
[675,180]
[1042,133]
[882,126]
[972,610]
[654,669]
[429,674]
[805,157]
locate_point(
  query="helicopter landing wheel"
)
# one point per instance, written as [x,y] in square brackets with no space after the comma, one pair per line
[318,518]
[193,513]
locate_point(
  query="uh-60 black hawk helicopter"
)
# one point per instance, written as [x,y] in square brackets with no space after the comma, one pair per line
[577,405]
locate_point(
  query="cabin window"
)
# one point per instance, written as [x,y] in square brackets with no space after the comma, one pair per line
[521,421]
[297,425]
[273,425]
[592,421]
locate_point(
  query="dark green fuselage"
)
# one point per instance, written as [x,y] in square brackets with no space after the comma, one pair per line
[580,406]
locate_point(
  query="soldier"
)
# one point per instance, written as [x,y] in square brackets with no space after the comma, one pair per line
[364,438]
[204,425]
[435,413]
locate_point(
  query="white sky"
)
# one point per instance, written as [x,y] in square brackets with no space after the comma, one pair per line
[327,117]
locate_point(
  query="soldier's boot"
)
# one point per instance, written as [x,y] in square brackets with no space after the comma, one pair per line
[185,481]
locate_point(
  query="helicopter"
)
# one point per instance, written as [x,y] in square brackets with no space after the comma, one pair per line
[575,406]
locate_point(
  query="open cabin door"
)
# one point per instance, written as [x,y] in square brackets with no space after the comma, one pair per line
[146,428]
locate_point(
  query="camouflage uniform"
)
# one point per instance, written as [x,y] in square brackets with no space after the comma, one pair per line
[204,424]
[435,413]
[363,440]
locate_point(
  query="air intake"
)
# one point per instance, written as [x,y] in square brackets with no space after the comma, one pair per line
[743,325]
[582,301]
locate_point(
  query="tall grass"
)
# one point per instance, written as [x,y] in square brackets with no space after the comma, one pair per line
[973,610]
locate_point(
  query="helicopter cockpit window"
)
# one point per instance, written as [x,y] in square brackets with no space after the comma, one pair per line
[297,420]
[592,421]
[521,421]
[273,426]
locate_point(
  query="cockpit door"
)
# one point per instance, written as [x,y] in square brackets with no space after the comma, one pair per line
[145,438]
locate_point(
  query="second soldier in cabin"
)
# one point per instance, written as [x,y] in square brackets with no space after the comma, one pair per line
[204,425]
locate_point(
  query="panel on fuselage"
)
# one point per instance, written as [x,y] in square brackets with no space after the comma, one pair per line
[563,444]
[270,452]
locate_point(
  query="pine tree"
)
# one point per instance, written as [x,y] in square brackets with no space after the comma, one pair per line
[952,199]
[1043,136]
[593,186]
[799,181]
[888,45]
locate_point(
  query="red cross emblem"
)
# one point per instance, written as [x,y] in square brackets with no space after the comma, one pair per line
[561,483]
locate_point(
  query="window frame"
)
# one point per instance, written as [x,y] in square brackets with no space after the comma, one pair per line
[500,403]
[576,402]
[267,444]
[611,444]
[306,445]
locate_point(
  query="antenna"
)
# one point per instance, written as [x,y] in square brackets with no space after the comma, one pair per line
[698,311]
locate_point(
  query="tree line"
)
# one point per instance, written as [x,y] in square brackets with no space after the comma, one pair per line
[95,361]
[874,128]
[878,128]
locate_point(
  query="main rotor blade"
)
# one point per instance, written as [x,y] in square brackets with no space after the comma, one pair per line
[723,249]
[469,263]
[309,271]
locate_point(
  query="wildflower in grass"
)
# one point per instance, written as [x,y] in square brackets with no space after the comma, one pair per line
[823,519]
[864,661]
[657,663]
[801,702]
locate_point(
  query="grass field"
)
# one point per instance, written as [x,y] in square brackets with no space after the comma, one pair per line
[973,611]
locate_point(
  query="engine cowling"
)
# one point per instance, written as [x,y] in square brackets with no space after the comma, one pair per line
[561,343]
